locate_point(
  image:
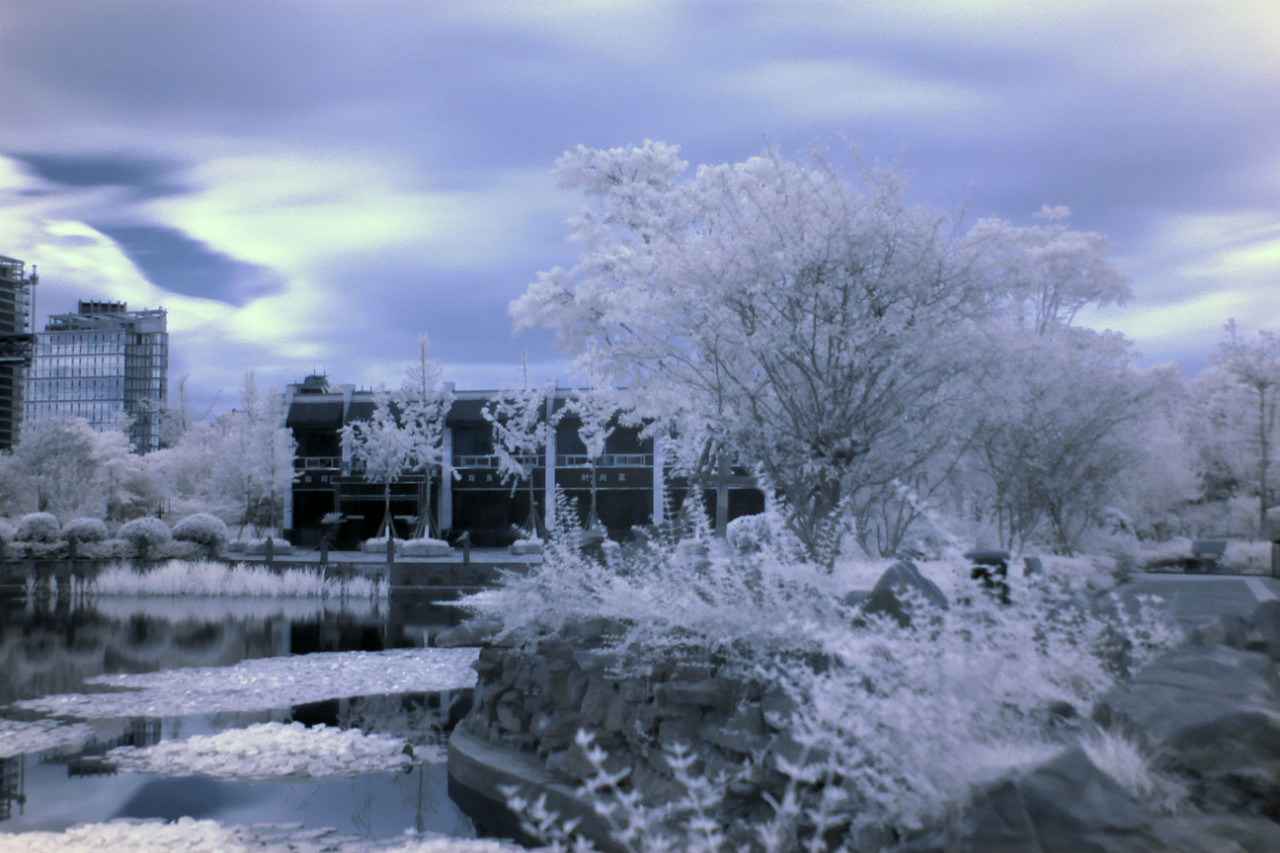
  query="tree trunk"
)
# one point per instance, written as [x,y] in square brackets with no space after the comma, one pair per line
[388,528]
[1263,463]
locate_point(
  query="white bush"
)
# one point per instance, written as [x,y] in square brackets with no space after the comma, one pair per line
[201,578]
[145,532]
[895,723]
[80,530]
[7,531]
[424,547]
[37,527]
[203,528]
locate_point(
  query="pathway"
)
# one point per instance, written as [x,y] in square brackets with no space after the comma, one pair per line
[1197,599]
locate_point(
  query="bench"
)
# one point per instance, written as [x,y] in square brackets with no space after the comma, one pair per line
[1205,554]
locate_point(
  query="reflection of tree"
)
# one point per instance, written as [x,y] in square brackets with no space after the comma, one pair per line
[88,760]
[12,785]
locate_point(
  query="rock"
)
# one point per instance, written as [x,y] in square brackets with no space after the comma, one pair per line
[564,686]
[901,581]
[1220,833]
[1062,806]
[555,730]
[1213,711]
[475,632]
[709,693]
[603,707]
[1266,621]
[510,716]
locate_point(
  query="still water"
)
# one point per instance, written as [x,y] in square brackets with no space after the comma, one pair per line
[51,645]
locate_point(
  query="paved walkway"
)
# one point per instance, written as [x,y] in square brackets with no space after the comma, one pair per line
[1197,599]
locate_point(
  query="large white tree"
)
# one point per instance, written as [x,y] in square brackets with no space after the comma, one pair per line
[405,434]
[773,311]
[1057,438]
[65,467]
[1239,400]
[520,431]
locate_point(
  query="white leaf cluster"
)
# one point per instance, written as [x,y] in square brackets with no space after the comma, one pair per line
[268,683]
[203,578]
[18,737]
[187,835]
[268,751]
[826,333]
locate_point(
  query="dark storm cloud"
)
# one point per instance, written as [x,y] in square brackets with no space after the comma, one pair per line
[175,262]
[146,177]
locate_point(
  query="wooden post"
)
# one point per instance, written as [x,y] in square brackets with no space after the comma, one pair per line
[722,493]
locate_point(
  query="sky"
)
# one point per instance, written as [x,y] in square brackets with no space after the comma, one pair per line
[310,186]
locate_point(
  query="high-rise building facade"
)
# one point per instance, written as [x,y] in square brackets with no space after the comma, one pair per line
[106,364]
[16,343]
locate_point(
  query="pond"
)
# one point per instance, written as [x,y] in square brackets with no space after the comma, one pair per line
[257,682]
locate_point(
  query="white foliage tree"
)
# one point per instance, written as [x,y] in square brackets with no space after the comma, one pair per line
[384,451]
[1241,399]
[1045,275]
[520,432]
[1057,438]
[65,467]
[424,401]
[768,309]
[596,407]
[255,467]
[405,433]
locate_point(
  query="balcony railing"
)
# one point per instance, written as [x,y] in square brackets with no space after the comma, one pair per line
[608,460]
[564,460]
[310,463]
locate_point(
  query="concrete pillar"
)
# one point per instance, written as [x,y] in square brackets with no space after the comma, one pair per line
[549,486]
[659,482]
[347,392]
[444,511]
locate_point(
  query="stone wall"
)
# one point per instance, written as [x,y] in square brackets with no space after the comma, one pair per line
[536,701]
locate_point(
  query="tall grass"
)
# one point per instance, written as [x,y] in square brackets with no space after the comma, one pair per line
[891,726]
[185,578]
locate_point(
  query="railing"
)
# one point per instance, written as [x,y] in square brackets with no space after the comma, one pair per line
[481,460]
[564,460]
[608,460]
[308,463]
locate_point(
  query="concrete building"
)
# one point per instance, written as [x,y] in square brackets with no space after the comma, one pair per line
[633,483]
[105,364]
[16,343]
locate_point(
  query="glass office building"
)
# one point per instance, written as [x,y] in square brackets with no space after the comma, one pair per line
[15,343]
[105,364]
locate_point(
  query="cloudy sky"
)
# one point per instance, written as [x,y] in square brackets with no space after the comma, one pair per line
[311,185]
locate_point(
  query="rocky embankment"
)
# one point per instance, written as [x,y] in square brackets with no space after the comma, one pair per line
[1209,712]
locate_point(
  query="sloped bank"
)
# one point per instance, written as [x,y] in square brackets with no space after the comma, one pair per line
[1211,709]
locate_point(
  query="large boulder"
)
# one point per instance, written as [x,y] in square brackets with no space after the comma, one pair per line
[898,592]
[1214,712]
[1066,804]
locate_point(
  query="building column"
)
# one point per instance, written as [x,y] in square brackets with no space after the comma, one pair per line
[444,512]
[549,483]
[659,482]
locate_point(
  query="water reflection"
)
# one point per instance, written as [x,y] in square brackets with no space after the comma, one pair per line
[61,787]
[51,644]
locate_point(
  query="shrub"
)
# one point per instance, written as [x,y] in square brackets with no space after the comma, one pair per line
[38,527]
[891,725]
[7,531]
[108,549]
[203,528]
[81,530]
[145,532]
